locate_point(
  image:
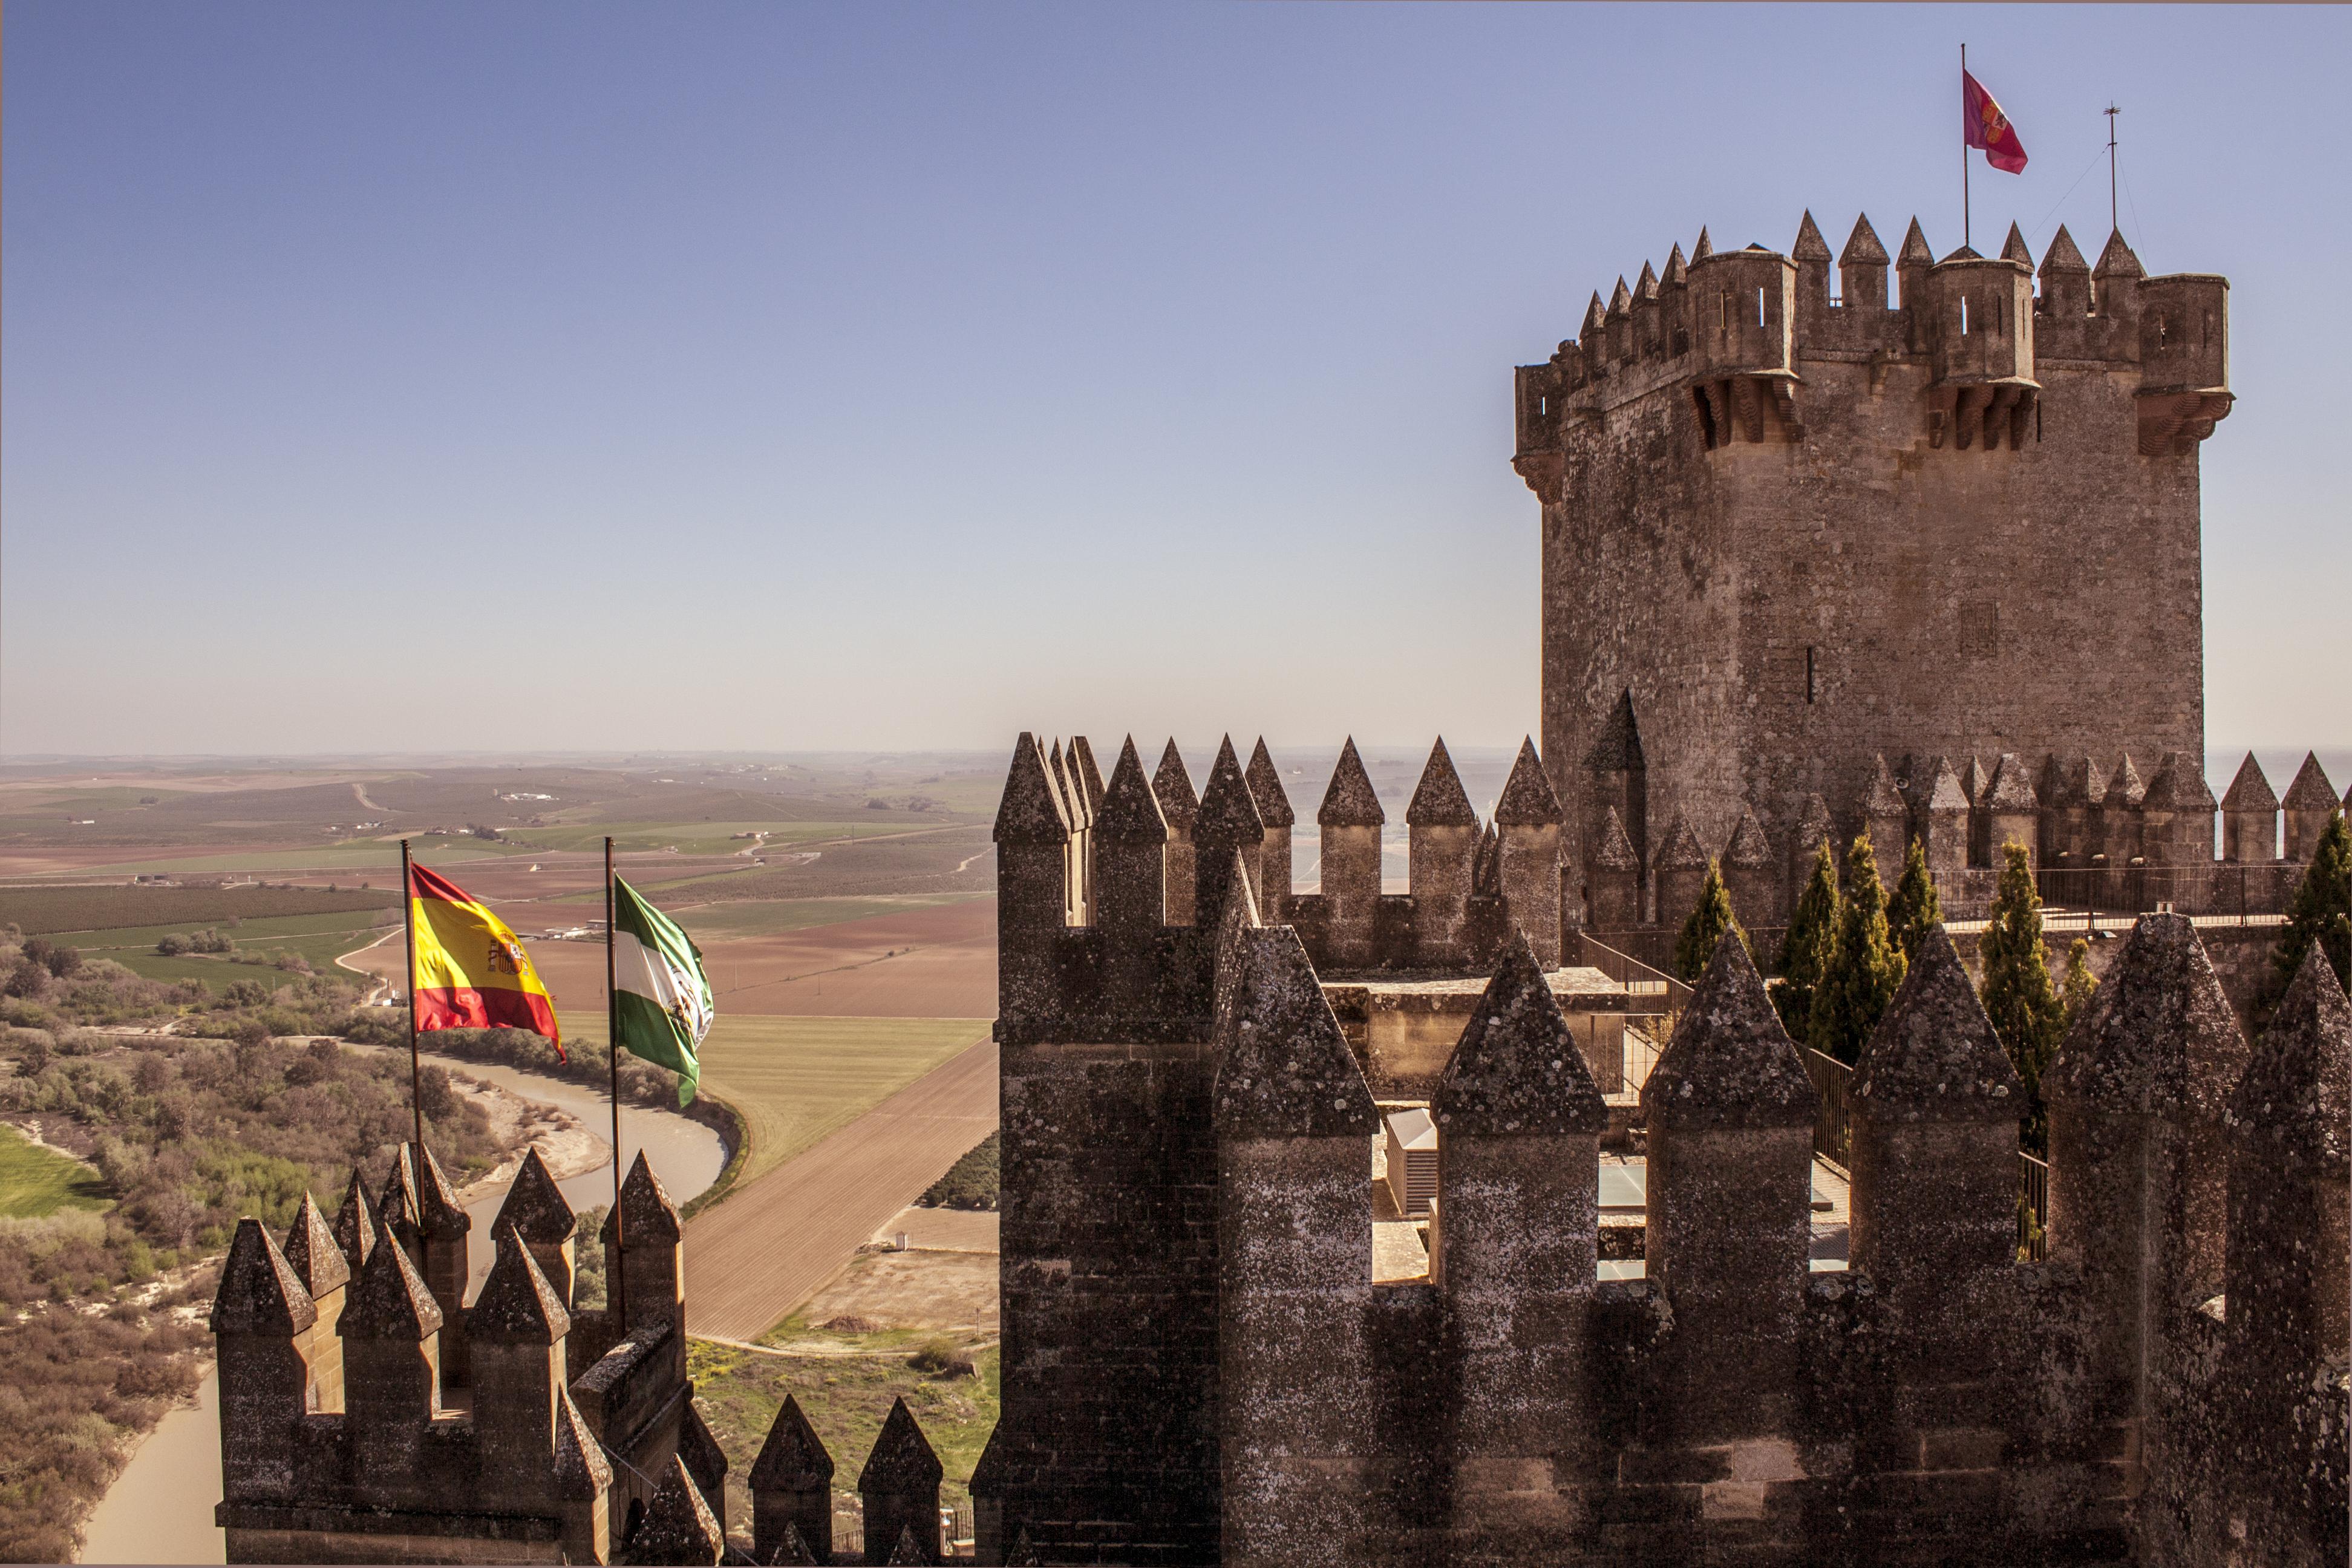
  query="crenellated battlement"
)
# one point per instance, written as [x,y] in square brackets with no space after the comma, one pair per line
[1278,1400]
[572,1437]
[1740,335]
[1107,918]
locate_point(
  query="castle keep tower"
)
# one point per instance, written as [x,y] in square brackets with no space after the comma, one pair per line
[1790,529]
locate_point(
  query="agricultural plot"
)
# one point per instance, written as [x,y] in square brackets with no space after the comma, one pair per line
[794,1080]
[35,1183]
[38,912]
[949,860]
[774,917]
[686,838]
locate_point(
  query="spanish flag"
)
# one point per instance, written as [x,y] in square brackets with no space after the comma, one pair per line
[471,973]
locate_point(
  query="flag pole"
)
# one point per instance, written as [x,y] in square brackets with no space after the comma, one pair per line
[1966,242]
[612,1058]
[408,924]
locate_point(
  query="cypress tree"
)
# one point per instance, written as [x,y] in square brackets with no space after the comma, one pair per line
[1808,950]
[2321,910]
[2018,995]
[1710,918]
[2075,992]
[1914,909]
[1868,968]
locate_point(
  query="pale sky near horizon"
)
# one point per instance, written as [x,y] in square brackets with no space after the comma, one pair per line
[889,376]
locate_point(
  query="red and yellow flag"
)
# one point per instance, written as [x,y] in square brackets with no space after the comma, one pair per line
[1984,124]
[471,973]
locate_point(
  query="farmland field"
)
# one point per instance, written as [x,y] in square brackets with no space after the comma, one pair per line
[771,917]
[796,1079]
[41,910]
[36,1182]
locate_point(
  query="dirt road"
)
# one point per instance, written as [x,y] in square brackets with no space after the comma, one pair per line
[751,1259]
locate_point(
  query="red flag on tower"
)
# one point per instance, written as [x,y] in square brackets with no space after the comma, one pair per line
[1984,125]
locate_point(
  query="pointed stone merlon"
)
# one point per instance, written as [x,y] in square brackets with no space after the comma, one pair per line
[705,1460]
[2013,814]
[2250,817]
[355,1226]
[900,1488]
[1442,847]
[1681,872]
[2309,800]
[443,1225]
[792,1487]
[1886,818]
[1032,840]
[1943,819]
[1131,851]
[2176,814]
[1518,1123]
[2287,1276]
[1730,1112]
[1073,797]
[2139,1149]
[1086,787]
[1862,268]
[1294,1230]
[261,1318]
[1228,827]
[391,1329]
[1528,821]
[679,1526]
[1349,823]
[1751,873]
[1171,786]
[1274,810]
[644,1230]
[537,1212]
[992,1481]
[317,1261]
[516,1331]
[1936,1107]
[1612,879]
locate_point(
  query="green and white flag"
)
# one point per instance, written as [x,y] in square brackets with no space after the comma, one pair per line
[662,1005]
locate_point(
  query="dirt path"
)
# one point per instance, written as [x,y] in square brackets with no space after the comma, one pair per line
[751,1259]
[359,792]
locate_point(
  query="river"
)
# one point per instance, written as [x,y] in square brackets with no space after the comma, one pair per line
[159,1510]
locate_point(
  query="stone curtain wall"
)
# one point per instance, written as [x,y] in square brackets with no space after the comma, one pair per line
[2165,1388]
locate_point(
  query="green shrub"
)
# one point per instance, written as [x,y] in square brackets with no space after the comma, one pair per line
[1810,949]
[1709,919]
[1867,968]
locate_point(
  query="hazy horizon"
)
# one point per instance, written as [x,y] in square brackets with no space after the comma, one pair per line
[759,381]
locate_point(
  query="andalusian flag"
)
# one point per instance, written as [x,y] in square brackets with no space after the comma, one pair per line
[662,1005]
[471,973]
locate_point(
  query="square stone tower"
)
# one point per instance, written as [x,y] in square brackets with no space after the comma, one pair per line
[1787,531]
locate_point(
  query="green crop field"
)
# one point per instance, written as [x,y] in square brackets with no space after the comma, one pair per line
[360,856]
[797,1080]
[38,912]
[35,1182]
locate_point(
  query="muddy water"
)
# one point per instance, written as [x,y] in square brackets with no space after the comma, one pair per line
[159,1510]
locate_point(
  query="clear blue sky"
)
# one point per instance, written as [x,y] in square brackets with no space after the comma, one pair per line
[744,375]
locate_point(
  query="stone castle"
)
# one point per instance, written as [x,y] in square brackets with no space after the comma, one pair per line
[1792,535]
[1808,562]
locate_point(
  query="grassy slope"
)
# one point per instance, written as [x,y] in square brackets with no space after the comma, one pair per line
[34,1181]
[845,1398]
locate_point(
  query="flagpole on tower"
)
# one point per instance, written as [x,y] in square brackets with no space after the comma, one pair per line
[408,924]
[1966,241]
[612,1055]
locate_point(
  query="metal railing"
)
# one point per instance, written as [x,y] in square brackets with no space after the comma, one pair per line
[1638,978]
[2226,891]
[1833,1123]
[1834,1145]
[2032,1208]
